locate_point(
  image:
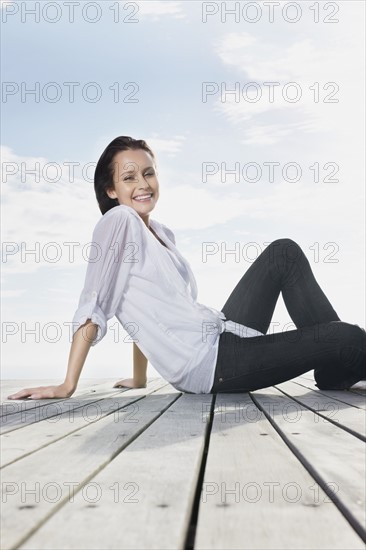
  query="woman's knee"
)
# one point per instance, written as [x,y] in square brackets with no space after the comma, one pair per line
[350,335]
[351,365]
[288,248]
[284,242]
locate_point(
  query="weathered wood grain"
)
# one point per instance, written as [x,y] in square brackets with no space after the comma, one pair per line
[351,398]
[59,421]
[156,476]
[335,456]
[75,458]
[256,494]
[117,468]
[346,416]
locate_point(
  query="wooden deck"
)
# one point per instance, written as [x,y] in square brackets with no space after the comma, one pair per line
[278,468]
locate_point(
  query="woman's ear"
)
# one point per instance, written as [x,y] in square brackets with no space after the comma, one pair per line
[111,193]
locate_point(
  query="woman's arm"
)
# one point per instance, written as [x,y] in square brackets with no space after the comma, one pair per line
[78,352]
[139,371]
[139,366]
[105,280]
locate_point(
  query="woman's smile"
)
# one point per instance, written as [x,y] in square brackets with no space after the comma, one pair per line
[143,198]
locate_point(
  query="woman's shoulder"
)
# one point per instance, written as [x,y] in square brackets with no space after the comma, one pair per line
[120,211]
[117,214]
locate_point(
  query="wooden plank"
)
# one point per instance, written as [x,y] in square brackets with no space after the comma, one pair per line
[8,387]
[332,454]
[255,492]
[24,413]
[359,387]
[75,459]
[345,396]
[327,408]
[80,413]
[12,406]
[162,467]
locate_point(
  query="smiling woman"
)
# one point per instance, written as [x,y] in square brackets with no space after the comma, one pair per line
[141,278]
[128,187]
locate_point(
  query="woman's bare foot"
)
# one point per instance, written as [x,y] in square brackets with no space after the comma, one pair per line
[360,385]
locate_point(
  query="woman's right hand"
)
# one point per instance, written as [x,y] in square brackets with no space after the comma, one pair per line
[129,383]
[44,392]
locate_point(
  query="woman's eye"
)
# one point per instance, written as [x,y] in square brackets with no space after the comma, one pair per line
[147,174]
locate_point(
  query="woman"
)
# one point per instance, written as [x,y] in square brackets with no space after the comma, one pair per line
[137,274]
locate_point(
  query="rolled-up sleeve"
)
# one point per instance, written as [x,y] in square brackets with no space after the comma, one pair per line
[112,253]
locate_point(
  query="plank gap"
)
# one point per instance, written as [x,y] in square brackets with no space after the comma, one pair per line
[329,419]
[354,523]
[332,395]
[191,531]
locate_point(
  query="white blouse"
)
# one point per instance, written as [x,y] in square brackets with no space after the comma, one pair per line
[152,292]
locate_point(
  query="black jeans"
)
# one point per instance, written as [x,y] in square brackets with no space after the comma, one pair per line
[336,350]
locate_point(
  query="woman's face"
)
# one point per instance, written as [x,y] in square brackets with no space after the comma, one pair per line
[134,176]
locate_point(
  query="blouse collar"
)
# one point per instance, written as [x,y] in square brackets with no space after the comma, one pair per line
[157,227]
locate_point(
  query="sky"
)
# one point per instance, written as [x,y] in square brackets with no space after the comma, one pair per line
[256,117]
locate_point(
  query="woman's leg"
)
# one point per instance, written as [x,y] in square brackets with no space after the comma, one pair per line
[336,351]
[282,266]
[317,343]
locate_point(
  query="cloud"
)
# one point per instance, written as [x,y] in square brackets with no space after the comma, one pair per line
[313,63]
[36,213]
[13,293]
[67,212]
[318,56]
[170,146]
[267,61]
[44,216]
[265,134]
[159,8]
[200,208]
